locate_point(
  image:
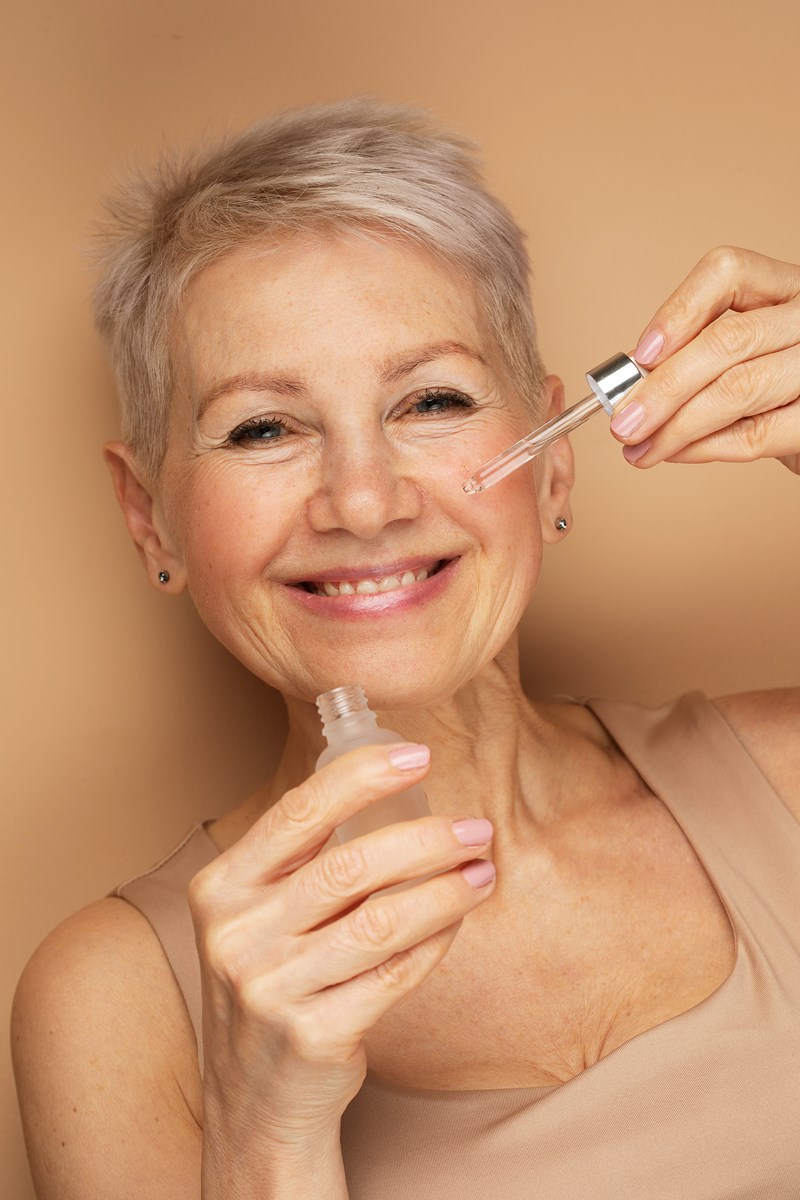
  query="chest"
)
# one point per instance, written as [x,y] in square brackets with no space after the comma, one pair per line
[562,966]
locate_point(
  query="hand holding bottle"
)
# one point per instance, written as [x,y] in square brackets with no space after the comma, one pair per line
[299,960]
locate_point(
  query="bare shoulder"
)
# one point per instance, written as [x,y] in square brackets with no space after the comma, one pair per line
[768,725]
[106,1063]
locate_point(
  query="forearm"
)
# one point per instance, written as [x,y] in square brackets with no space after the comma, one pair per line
[275,1173]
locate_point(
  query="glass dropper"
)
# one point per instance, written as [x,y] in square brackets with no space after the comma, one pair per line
[610,384]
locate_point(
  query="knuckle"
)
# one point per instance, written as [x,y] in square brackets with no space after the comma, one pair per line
[427,837]
[736,385]
[249,995]
[246,972]
[670,383]
[307,1037]
[255,998]
[725,261]
[342,868]
[751,432]
[300,806]
[202,891]
[374,925]
[215,951]
[398,971]
[679,310]
[733,336]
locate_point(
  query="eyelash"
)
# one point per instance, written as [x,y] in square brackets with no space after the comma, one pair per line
[239,435]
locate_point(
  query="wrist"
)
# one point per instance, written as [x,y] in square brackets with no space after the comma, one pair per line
[282,1169]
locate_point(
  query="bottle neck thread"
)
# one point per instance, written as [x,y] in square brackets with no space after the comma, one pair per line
[342,702]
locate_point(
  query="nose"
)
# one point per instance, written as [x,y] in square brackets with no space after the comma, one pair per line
[366,485]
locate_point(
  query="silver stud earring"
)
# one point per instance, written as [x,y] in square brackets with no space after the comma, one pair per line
[163,576]
[561,523]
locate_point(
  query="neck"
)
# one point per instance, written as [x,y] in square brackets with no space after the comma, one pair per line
[494,753]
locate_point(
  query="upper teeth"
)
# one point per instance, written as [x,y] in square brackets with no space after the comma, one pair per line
[370,587]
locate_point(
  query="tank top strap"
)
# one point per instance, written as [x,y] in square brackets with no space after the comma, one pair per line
[741,829]
[161,895]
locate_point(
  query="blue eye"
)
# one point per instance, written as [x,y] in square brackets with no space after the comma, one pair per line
[441,400]
[257,429]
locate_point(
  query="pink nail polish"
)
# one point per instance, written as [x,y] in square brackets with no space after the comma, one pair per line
[479,873]
[409,757]
[628,421]
[632,454]
[473,831]
[649,347]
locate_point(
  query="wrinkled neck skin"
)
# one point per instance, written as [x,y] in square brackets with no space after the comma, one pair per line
[494,754]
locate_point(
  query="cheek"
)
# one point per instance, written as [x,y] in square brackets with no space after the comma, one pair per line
[512,511]
[234,527]
[504,522]
[512,519]
[507,512]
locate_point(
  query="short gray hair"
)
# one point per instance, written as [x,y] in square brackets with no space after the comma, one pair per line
[357,163]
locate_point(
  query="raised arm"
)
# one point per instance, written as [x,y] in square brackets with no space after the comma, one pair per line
[724,356]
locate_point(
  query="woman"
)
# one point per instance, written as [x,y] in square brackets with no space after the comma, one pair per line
[320,330]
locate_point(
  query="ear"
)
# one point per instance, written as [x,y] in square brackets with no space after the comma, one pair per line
[556,473]
[145,521]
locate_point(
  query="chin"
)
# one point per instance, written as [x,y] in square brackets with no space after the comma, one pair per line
[395,680]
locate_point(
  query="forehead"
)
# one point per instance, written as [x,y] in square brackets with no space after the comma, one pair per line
[355,295]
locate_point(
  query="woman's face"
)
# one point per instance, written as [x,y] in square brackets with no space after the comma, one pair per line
[331,398]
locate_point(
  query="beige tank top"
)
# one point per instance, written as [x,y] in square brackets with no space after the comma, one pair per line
[705,1106]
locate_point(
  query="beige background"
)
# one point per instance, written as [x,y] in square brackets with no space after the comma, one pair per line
[628,139]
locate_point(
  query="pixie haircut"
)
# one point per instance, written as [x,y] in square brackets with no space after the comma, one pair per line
[360,163]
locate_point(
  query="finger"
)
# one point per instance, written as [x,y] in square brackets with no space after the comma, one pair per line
[748,389]
[296,828]
[725,278]
[771,434]
[380,928]
[346,874]
[355,1006]
[733,339]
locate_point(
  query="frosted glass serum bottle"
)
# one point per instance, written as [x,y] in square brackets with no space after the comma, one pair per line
[348,722]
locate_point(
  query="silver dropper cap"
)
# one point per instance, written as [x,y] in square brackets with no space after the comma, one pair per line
[613,379]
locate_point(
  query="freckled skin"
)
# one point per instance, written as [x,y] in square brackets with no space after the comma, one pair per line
[360,478]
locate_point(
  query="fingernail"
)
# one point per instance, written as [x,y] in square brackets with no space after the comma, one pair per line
[628,421]
[649,347]
[407,757]
[632,454]
[473,831]
[479,873]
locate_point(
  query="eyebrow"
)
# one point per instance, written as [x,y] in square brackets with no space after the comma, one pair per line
[394,369]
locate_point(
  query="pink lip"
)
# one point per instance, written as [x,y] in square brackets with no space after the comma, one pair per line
[399,600]
[372,572]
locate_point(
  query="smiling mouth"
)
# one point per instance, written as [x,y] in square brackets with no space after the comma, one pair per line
[372,585]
